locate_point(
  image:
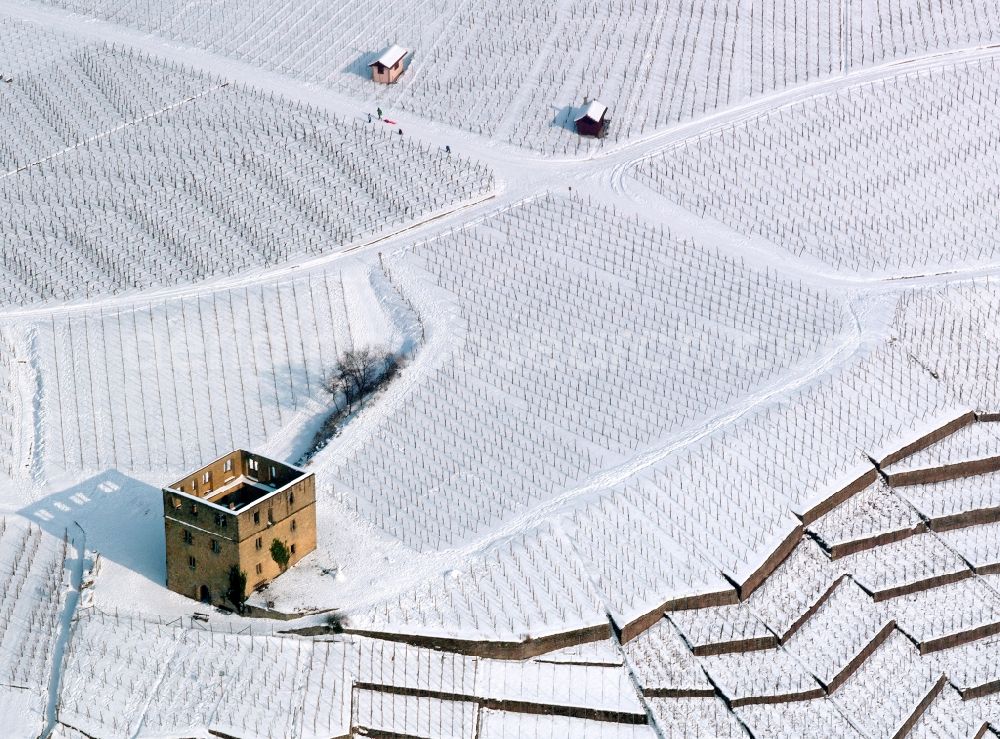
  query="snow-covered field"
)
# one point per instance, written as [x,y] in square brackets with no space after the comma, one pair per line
[114,383]
[193,176]
[867,179]
[519,71]
[152,387]
[694,432]
[955,329]
[126,677]
[33,584]
[587,338]
[522,84]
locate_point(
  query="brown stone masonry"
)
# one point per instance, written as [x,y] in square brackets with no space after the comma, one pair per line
[721,598]
[925,441]
[944,472]
[811,610]
[779,555]
[964,519]
[922,706]
[920,585]
[736,646]
[487,649]
[229,513]
[842,549]
[959,638]
[828,504]
[859,659]
[981,690]
[510,705]
[758,700]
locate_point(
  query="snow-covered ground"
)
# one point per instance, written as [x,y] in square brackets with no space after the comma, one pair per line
[125,677]
[140,174]
[115,385]
[34,582]
[869,179]
[519,71]
[954,329]
[643,471]
[587,337]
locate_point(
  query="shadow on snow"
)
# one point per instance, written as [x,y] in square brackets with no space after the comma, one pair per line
[121,517]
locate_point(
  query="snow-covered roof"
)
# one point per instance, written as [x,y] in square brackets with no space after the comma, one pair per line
[390,56]
[595,111]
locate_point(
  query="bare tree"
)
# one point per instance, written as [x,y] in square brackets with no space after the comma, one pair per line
[359,372]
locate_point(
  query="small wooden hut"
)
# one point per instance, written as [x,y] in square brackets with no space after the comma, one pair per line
[387,68]
[593,121]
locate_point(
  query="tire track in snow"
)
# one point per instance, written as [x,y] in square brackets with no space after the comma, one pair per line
[66,632]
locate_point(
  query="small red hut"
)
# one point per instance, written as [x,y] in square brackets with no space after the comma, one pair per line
[387,68]
[593,121]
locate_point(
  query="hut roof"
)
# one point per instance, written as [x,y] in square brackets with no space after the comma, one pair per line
[390,56]
[595,111]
